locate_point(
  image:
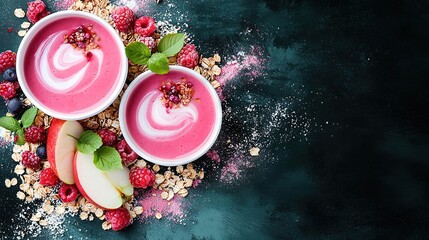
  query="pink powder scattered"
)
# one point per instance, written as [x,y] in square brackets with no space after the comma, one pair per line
[251,65]
[136,5]
[213,155]
[62,5]
[196,182]
[152,204]
[234,169]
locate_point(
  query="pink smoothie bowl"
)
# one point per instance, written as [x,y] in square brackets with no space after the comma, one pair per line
[65,81]
[170,136]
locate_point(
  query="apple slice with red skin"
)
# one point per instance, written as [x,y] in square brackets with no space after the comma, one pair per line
[61,147]
[103,188]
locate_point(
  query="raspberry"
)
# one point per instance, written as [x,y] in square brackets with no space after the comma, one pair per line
[7,90]
[127,154]
[144,26]
[30,160]
[188,56]
[123,18]
[35,134]
[119,218]
[149,42]
[7,60]
[48,177]
[68,193]
[36,10]
[108,137]
[142,177]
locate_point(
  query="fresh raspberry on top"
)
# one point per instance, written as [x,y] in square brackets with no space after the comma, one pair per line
[7,60]
[149,42]
[8,90]
[123,17]
[48,177]
[127,154]
[119,218]
[188,56]
[144,26]
[68,193]
[30,160]
[35,134]
[108,137]
[142,177]
[36,10]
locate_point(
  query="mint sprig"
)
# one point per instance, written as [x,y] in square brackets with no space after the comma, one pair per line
[158,63]
[105,158]
[138,53]
[169,45]
[88,142]
[12,124]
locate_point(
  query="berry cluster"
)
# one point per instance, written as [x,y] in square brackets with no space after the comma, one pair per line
[188,56]
[142,177]
[118,218]
[36,11]
[124,19]
[177,94]
[9,86]
[82,37]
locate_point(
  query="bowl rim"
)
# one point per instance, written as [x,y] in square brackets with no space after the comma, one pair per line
[40,25]
[160,161]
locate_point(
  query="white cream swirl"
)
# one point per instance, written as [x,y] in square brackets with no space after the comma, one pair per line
[69,64]
[161,124]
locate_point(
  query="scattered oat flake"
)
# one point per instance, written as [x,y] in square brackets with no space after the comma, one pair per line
[7,183]
[25,25]
[254,151]
[22,32]
[158,215]
[19,13]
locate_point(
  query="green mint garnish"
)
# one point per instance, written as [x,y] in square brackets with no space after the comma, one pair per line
[21,137]
[88,142]
[158,63]
[107,158]
[28,117]
[171,44]
[138,53]
[13,125]
[168,46]
[10,123]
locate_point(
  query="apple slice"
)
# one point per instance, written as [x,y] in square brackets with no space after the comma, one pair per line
[102,188]
[120,178]
[61,147]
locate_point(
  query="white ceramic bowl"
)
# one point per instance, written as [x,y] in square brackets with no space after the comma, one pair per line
[93,108]
[140,150]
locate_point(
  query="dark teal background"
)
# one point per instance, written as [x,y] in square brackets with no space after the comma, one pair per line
[354,75]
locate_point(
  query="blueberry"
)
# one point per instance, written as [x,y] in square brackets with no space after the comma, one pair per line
[41,151]
[14,106]
[9,74]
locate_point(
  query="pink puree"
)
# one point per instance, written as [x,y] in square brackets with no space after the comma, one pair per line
[186,141]
[95,83]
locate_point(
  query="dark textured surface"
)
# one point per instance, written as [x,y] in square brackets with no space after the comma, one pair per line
[355,71]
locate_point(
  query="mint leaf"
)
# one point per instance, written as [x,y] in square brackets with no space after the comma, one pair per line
[28,117]
[138,53]
[88,142]
[21,137]
[107,158]
[10,123]
[158,63]
[171,44]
